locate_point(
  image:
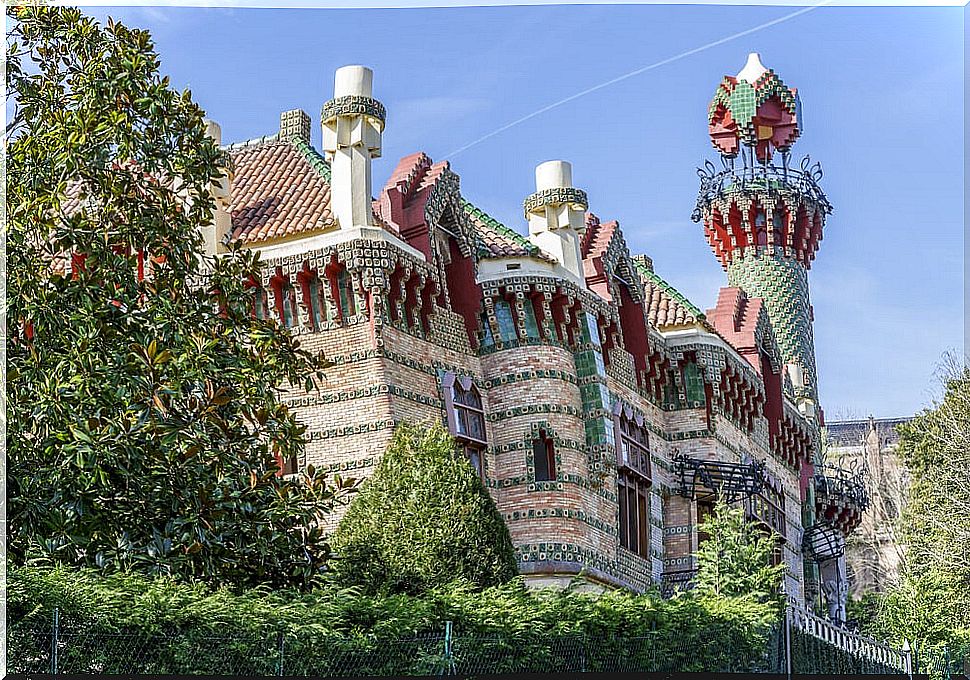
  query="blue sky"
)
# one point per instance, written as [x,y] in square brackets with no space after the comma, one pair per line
[882,96]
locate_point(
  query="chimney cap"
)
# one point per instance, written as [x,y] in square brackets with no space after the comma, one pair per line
[353,79]
[554,175]
[295,124]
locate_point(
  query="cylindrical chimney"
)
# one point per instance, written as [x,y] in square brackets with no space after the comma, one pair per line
[554,175]
[353,80]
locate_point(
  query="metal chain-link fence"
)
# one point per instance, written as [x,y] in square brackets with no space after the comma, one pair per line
[944,663]
[66,648]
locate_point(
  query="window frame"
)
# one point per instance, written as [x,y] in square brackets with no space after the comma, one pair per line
[633,512]
[544,448]
[458,411]
[632,441]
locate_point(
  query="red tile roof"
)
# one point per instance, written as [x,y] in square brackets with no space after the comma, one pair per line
[665,305]
[497,240]
[280,189]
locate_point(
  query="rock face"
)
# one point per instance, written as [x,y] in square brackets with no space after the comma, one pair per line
[873,552]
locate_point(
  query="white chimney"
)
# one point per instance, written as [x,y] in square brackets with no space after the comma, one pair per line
[215,234]
[352,124]
[556,214]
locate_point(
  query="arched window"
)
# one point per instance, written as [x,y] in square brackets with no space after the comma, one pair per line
[289,314]
[466,417]
[470,414]
[633,480]
[544,456]
[633,444]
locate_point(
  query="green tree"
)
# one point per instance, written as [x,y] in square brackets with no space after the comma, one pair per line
[735,559]
[144,411]
[424,519]
[932,603]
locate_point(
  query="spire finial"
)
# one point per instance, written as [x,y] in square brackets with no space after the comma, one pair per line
[753,68]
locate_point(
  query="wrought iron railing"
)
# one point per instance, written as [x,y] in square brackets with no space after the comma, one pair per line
[843,484]
[762,509]
[715,478]
[768,177]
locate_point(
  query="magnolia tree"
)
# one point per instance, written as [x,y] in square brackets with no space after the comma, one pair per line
[145,418]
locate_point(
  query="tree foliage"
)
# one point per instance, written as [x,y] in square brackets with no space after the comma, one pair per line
[144,408]
[424,519]
[932,604]
[735,559]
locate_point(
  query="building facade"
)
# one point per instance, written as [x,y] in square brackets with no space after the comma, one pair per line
[603,410]
[868,446]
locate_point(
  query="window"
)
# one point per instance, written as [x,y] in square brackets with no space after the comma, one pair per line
[531,324]
[466,418]
[694,386]
[633,444]
[260,303]
[704,510]
[315,302]
[346,290]
[289,465]
[634,502]
[544,455]
[486,333]
[506,324]
[474,456]
[768,507]
[469,412]
[670,395]
[287,303]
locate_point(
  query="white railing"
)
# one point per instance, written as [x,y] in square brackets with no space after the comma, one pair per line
[859,646]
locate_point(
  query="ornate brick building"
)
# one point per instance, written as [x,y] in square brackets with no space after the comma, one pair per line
[602,409]
[868,446]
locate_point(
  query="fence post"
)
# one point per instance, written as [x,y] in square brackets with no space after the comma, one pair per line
[449,660]
[907,659]
[582,652]
[55,634]
[279,645]
[786,635]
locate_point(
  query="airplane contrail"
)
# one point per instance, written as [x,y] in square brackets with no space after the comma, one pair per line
[644,69]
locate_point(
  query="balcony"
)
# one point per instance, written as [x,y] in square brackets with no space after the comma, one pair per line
[761,178]
[759,508]
[710,479]
[841,495]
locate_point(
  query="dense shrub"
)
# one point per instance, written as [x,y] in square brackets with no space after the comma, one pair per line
[423,520]
[506,627]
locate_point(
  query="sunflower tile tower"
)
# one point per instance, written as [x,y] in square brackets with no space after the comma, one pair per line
[763,220]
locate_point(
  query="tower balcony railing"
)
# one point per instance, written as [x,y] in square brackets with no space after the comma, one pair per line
[759,177]
[834,483]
